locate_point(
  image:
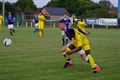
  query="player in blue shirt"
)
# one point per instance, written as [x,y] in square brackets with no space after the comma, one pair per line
[67,22]
[10,20]
[62,26]
[36,23]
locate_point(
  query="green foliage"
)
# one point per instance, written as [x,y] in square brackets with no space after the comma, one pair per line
[25,5]
[113,15]
[19,6]
[0,7]
[98,13]
[9,7]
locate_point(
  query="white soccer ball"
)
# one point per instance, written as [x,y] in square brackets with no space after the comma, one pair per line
[7,42]
[75,19]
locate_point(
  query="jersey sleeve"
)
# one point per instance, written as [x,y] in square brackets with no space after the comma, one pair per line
[69,20]
[43,17]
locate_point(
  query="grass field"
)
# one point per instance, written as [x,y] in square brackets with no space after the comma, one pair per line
[33,58]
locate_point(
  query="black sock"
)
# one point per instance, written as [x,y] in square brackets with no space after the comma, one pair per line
[88,61]
[11,33]
[63,41]
[68,60]
[64,55]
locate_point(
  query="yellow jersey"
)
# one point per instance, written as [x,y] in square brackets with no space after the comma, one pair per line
[80,40]
[1,20]
[81,25]
[41,20]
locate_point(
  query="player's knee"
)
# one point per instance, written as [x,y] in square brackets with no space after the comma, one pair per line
[83,57]
[87,52]
[68,50]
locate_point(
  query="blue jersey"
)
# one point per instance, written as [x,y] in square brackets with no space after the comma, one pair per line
[62,21]
[67,21]
[36,19]
[10,19]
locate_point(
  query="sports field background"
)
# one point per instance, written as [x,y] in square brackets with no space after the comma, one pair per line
[33,58]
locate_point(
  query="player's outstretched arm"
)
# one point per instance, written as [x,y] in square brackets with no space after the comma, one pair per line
[64,48]
[85,33]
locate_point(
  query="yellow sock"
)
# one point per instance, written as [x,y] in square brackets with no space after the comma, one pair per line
[67,55]
[91,60]
[67,58]
[40,33]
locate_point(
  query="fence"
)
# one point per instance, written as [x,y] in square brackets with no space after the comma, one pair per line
[102,23]
[48,23]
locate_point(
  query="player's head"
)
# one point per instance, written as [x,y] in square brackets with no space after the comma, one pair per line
[9,13]
[65,15]
[81,19]
[71,34]
[40,13]
[35,14]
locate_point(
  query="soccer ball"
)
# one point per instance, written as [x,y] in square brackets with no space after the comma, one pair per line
[7,42]
[75,20]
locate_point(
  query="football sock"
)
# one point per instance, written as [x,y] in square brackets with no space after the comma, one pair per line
[40,33]
[11,33]
[63,41]
[64,54]
[67,58]
[35,30]
[66,40]
[91,61]
[87,60]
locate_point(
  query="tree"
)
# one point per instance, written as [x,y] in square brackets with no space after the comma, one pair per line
[85,8]
[105,3]
[19,6]
[9,7]
[23,5]
[97,13]
[0,7]
[77,7]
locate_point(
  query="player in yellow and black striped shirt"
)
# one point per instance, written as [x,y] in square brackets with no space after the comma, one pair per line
[78,41]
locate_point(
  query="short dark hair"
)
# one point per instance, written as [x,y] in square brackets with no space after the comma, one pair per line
[71,33]
[65,13]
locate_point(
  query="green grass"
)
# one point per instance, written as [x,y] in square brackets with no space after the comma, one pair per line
[33,58]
